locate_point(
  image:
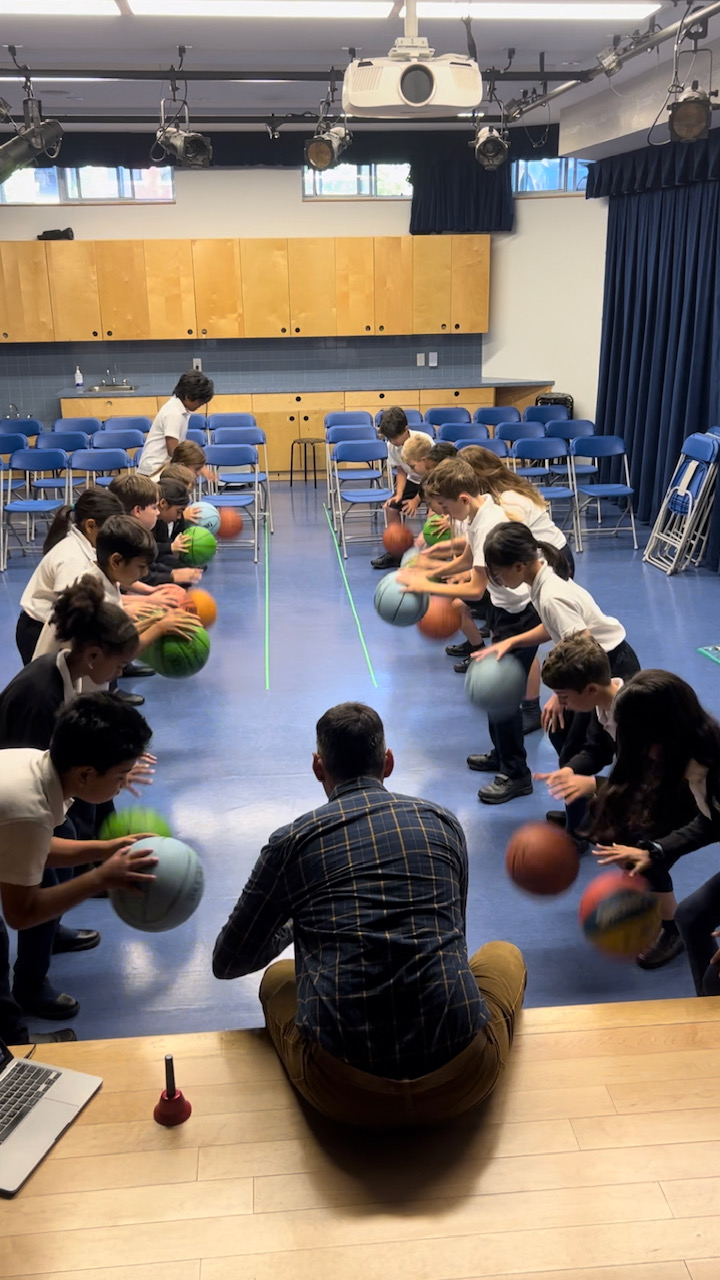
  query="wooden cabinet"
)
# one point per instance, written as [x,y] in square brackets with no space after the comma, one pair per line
[470,398]
[230,404]
[432,284]
[470,286]
[110,406]
[170,288]
[123,290]
[265,288]
[311,270]
[393,284]
[25,306]
[72,275]
[355,285]
[218,288]
[277,415]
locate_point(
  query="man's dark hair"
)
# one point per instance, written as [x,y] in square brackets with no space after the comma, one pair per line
[393,423]
[126,537]
[351,742]
[98,730]
[194,386]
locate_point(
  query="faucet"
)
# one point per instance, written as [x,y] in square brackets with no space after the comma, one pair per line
[10,413]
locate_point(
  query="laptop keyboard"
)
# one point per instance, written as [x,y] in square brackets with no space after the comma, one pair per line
[24,1087]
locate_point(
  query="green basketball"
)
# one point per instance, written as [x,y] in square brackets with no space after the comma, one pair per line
[201,547]
[179,656]
[134,821]
[432,534]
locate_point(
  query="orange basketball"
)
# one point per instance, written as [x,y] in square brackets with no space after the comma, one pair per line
[231,523]
[542,858]
[201,603]
[397,539]
[441,620]
[174,595]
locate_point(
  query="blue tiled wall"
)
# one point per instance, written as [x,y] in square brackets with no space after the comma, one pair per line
[32,375]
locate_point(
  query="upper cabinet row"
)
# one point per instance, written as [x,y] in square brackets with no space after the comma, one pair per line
[134,290]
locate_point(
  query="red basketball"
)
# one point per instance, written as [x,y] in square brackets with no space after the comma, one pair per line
[231,523]
[174,595]
[397,539]
[441,620]
[620,915]
[542,858]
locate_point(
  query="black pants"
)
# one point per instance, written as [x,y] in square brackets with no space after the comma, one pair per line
[696,918]
[35,945]
[507,734]
[27,634]
[13,1027]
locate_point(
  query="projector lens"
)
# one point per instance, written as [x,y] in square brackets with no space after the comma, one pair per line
[417,85]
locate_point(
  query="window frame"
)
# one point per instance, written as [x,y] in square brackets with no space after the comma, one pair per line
[66,200]
[372,178]
[569,168]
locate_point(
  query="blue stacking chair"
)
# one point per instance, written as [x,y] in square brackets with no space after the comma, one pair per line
[68,441]
[197,436]
[545,413]
[339,435]
[100,466]
[29,464]
[252,434]
[495,446]
[455,413]
[492,417]
[238,487]
[414,417]
[126,440]
[544,452]
[217,421]
[134,422]
[514,432]
[453,431]
[348,418]
[10,443]
[426,427]
[88,425]
[571,429]
[198,421]
[680,533]
[371,496]
[27,427]
[596,448]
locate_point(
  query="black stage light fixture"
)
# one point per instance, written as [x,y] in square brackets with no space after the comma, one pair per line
[324,149]
[176,138]
[491,149]
[34,138]
[690,115]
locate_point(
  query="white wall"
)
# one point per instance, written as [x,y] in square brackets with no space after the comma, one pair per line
[546,294]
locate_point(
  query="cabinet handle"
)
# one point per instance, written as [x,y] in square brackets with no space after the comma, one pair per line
[109,333]
[457,326]
[443,326]
[95,333]
[283,330]
[292,417]
[5,335]
[203,330]
[297,330]
[381,328]
[189,330]
[382,395]
[367,328]
[298,398]
[305,418]
[456,393]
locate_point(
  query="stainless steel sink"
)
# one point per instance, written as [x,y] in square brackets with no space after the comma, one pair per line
[109,389]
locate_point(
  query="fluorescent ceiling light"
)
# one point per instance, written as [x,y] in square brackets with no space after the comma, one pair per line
[325,9]
[380,9]
[60,8]
[538,12]
[58,80]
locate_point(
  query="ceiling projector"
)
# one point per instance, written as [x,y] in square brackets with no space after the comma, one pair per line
[402,87]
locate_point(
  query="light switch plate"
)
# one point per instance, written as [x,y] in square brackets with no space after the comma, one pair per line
[197,364]
[420,358]
[432,359]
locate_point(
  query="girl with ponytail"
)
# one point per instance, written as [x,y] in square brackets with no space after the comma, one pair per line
[69,551]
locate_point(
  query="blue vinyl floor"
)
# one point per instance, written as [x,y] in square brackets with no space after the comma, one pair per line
[234,764]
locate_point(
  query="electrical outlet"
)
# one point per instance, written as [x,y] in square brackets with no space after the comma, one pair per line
[420,359]
[432,359]
[197,364]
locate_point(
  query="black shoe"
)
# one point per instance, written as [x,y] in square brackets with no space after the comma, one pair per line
[489,763]
[63,1036]
[531,721]
[46,1002]
[556,816]
[386,562]
[74,940]
[460,650]
[462,666]
[664,949]
[134,670]
[130,699]
[503,789]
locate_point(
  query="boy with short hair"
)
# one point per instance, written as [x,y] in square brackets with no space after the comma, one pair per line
[393,428]
[140,497]
[95,744]
[170,426]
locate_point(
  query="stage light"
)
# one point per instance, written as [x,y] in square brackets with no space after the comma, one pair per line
[491,149]
[324,149]
[175,138]
[690,116]
[34,138]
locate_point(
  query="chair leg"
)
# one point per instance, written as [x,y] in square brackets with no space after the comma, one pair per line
[314,468]
[292,454]
[632,523]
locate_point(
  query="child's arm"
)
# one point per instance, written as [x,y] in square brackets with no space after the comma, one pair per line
[473,589]
[400,482]
[527,640]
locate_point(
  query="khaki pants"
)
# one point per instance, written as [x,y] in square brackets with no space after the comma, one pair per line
[355,1097]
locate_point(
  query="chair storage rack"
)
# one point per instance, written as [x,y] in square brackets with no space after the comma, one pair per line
[680,533]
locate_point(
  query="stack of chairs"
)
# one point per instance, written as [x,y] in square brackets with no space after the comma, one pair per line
[680,533]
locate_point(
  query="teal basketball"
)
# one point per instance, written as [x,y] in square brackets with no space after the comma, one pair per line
[201,546]
[179,656]
[399,608]
[496,687]
[410,557]
[133,822]
[174,894]
[208,517]
[432,534]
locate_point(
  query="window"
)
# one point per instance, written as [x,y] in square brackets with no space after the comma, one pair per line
[358,182]
[561,174]
[87,185]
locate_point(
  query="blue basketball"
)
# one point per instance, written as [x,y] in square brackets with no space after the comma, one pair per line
[496,687]
[398,607]
[172,897]
[207,517]
[410,557]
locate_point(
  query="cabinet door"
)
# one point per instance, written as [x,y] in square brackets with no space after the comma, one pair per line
[231,404]
[313,309]
[355,284]
[393,284]
[170,289]
[25,307]
[265,288]
[432,276]
[218,289]
[109,406]
[470,290]
[279,421]
[123,289]
[72,272]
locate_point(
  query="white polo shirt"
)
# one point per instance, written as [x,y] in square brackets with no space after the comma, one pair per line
[48,641]
[171,420]
[518,506]
[396,461]
[32,805]
[512,599]
[60,568]
[565,608]
[607,718]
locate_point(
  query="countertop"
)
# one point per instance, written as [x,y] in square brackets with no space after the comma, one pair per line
[230,387]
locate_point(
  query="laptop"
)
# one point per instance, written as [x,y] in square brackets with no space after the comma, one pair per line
[37,1104]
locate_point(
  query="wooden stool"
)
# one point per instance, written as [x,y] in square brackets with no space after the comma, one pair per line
[304,441]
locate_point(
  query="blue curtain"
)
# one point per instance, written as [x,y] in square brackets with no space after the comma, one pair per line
[660,353]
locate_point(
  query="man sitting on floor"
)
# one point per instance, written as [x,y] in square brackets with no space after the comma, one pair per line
[381,1020]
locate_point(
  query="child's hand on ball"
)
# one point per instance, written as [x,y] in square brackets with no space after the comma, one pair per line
[177,622]
[192,513]
[127,867]
[181,543]
[141,774]
[186,577]
[633,860]
[109,848]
